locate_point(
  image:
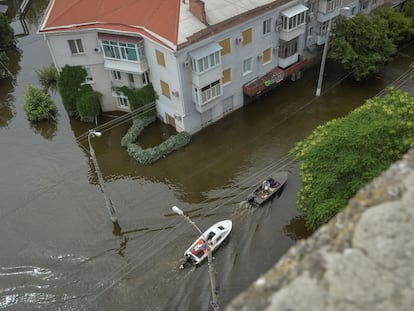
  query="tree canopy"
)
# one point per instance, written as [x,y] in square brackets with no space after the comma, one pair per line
[344,154]
[38,105]
[365,43]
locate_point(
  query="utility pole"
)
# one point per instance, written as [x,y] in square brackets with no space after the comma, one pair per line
[325,52]
[109,206]
[211,271]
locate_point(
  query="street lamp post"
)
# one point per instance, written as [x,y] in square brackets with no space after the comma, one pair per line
[325,52]
[111,210]
[211,271]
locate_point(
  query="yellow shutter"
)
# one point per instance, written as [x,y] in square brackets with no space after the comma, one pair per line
[267,55]
[165,89]
[160,58]
[226,48]
[226,75]
[247,36]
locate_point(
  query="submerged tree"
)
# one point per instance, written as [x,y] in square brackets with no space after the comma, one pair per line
[7,41]
[38,105]
[343,155]
[362,44]
[48,77]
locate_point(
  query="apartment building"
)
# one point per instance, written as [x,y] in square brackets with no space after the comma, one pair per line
[205,59]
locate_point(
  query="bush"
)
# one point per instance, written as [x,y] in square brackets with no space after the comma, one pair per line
[38,104]
[48,78]
[151,155]
[69,85]
[88,104]
[137,127]
[140,99]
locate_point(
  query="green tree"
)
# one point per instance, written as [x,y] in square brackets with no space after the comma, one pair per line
[69,85]
[400,26]
[48,77]
[7,40]
[344,154]
[88,104]
[38,105]
[362,44]
[408,10]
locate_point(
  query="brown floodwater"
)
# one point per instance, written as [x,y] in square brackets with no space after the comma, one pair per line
[60,251]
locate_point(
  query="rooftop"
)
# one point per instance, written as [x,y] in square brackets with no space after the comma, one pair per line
[167,21]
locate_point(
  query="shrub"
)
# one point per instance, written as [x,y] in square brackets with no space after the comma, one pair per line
[151,155]
[69,85]
[48,78]
[88,104]
[38,104]
[137,127]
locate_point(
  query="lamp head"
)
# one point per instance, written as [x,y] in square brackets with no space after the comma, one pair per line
[177,210]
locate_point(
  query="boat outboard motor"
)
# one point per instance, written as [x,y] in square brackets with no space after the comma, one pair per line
[250,199]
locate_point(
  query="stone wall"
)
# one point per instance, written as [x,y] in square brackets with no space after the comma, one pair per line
[363,259]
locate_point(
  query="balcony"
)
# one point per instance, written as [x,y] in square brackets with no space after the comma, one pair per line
[272,79]
[126,66]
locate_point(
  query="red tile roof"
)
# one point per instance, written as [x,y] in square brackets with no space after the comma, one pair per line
[149,17]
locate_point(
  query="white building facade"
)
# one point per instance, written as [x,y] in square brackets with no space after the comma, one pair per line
[205,61]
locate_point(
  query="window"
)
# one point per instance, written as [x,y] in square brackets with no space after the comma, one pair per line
[247,66]
[165,88]
[267,26]
[160,58]
[294,17]
[122,101]
[123,51]
[76,46]
[247,36]
[331,5]
[226,48]
[202,64]
[226,76]
[131,78]
[267,56]
[89,78]
[116,75]
[210,91]
[145,78]
[289,48]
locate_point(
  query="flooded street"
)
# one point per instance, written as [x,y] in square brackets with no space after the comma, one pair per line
[60,251]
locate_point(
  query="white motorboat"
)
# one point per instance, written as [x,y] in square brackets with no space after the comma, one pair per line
[214,236]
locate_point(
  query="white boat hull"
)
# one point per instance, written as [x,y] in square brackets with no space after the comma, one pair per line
[215,235]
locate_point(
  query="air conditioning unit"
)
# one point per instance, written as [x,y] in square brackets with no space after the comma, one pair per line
[259,57]
[275,50]
[177,117]
[175,93]
[97,50]
[278,27]
[238,40]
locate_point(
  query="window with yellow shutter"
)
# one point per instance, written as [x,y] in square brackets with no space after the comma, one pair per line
[226,76]
[247,36]
[165,88]
[267,56]
[226,48]
[160,58]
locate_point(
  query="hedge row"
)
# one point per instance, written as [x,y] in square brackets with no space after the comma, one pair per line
[151,155]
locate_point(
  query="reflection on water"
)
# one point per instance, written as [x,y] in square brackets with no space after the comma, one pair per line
[296,229]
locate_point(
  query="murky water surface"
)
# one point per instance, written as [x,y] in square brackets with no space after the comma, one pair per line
[59,250]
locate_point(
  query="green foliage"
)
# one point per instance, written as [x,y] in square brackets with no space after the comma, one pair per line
[4,64]
[400,26]
[48,77]
[408,10]
[139,98]
[151,155]
[7,40]
[138,125]
[88,104]
[69,85]
[350,47]
[38,105]
[341,156]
